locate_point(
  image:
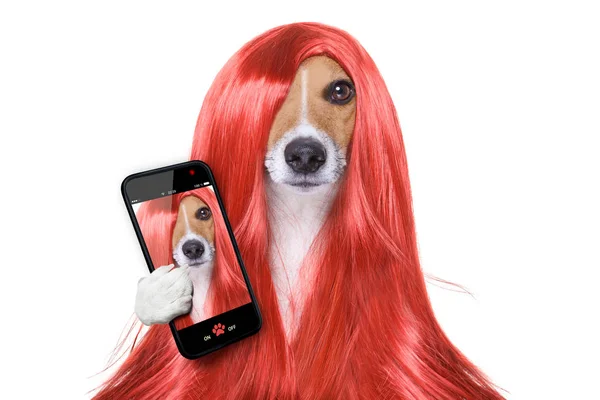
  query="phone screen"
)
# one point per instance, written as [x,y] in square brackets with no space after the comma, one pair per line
[180,220]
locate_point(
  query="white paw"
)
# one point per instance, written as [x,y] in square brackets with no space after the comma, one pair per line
[164,295]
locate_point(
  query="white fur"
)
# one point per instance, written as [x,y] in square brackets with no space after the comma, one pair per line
[304,96]
[201,278]
[295,219]
[164,295]
[296,214]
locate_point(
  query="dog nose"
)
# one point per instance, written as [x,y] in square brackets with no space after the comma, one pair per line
[305,155]
[193,249]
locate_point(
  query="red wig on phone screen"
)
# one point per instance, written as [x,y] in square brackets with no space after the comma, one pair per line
[369,330]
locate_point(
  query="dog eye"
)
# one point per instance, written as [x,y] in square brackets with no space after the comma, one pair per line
[340,92]
[203,213]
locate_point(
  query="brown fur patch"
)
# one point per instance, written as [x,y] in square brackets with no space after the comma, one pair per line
[335,120]
[187,208]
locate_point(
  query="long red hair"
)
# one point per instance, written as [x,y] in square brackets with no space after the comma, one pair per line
[368,330]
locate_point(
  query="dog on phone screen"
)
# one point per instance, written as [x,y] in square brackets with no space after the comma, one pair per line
[193,243]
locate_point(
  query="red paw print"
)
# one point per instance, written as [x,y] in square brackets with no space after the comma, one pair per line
[219,329]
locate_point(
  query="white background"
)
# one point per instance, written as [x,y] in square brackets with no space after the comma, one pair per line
[499,106]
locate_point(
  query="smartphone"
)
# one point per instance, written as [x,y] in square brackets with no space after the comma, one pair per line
[179,218]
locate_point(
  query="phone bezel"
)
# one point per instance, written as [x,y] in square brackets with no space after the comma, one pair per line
[179,342]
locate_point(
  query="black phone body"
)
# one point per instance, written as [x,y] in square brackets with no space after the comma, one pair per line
[164,186]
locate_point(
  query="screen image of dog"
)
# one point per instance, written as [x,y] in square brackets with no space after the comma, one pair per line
[200,243]
[193,244]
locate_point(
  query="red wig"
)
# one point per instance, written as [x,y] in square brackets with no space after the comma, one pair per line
[368,330]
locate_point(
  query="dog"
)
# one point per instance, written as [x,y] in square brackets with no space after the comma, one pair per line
[305,161]
[193,244]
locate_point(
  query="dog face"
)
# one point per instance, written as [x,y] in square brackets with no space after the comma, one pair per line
[312,130]
[194,233]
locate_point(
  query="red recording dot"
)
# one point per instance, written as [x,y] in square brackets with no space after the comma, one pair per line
[192,172]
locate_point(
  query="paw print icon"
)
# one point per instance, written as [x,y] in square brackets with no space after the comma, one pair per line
[219,329]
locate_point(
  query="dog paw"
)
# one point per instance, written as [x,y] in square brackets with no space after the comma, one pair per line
[164,295]
[218,329]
